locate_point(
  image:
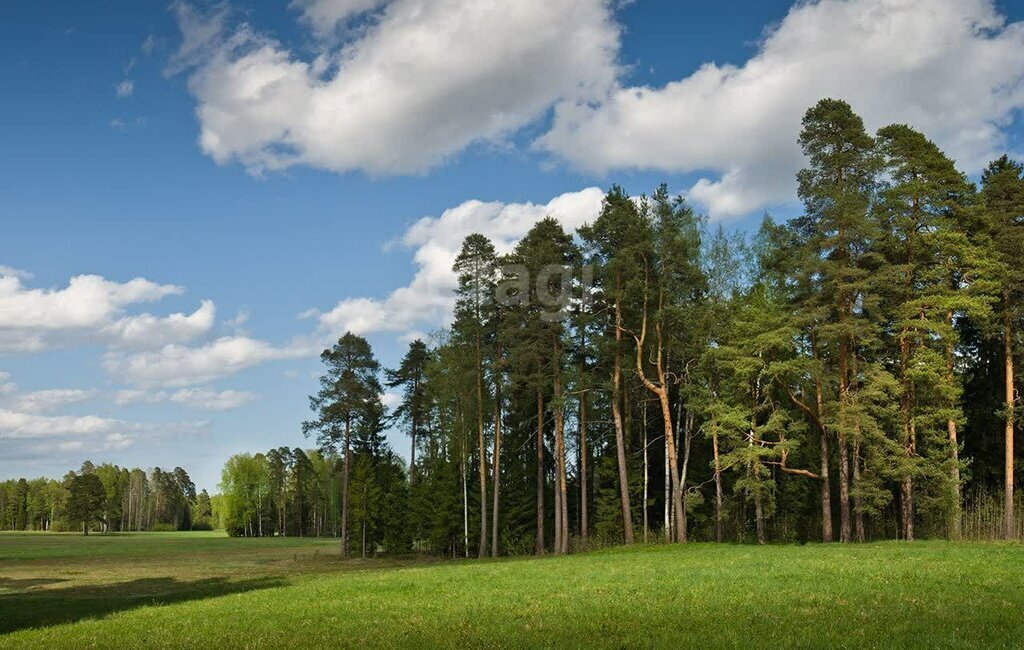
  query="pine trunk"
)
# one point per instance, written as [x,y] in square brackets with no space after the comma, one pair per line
[955,532]
[646,477]
[344,487]
[718,489]
[620,438]
[496,463]
[481,449]
[1008,520]
[540,473]
[584,521]
[844,458]
[858,510]
[826,486]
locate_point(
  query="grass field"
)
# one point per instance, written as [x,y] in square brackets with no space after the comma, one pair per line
[204,589]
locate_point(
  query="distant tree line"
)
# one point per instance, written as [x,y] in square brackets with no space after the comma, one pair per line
[293,492]
[105,498]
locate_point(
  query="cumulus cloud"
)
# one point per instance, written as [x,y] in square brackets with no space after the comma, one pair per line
[91,309]
[181,365]
[952,68]
[44,401]
[420,82]
[325,17]
[6,385]
[194,398]
[212,400]
[147,331]
[87,301]
[15,425]
[126,88]
[428,299]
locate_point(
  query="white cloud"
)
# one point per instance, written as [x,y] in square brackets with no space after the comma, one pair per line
[6,385]
[44,401]
[15,425]
[91,309]
[952,68]
[147,331]
[180,365]
[129,396]
[324,17]
[194,398]
[126,88]
[87,301]
[211,400]
[391,399]
[428,299]
[10,271]
[419,83]
[149,45]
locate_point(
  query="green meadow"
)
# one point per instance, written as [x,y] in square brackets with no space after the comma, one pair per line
[205,589]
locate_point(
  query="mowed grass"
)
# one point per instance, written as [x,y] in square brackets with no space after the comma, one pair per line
[187,590]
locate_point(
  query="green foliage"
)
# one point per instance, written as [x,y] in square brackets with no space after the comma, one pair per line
[846,365]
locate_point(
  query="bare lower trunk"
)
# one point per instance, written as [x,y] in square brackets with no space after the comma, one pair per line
[558,509]
[646,476]
[584,522]
[465,484]
[687,435]
[955,532]
[826,487]
[1008,522]
[344,487]
[677,492]
[759,517]
[495,465]
[561,484]
[844,490]
[412,451]
[906,416]
[826,491]
[844,458]
[858,510]
[667,516]
[540,474]
[620,438]
[481,450]
[718,488]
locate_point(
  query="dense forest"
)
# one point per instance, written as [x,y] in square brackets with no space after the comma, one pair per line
[845,376]
[106,498]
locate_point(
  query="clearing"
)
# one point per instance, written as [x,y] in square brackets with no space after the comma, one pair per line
[205,589]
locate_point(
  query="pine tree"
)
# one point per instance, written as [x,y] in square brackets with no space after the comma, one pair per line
[928,260]
[836,189]
[349,399]
[1003,195]
[476,268]
[615,243]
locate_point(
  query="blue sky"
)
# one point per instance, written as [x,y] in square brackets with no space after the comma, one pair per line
[277,160]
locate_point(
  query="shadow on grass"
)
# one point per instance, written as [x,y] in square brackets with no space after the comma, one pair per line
[43,607]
